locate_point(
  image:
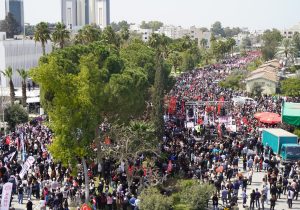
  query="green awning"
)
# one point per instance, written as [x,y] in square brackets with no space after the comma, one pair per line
[291,113]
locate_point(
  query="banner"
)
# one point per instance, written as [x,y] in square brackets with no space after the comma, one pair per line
[30,160]
[6,195]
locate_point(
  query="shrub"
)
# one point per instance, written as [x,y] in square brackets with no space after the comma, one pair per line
[151,198]
[14,115]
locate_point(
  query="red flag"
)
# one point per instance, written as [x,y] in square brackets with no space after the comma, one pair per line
[170,166]
[172,105]
[107,140]
[7,140]
[220,104]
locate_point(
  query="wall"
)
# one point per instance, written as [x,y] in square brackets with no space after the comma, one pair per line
[19,54]
[269,87]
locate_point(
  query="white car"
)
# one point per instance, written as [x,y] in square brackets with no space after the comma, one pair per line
[240,100]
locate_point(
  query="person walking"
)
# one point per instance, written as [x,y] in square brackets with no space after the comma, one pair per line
[290,196]
[257,198]
[244,197]
[20,194]
[224,195]
[272,202]
[215,201]
[252,199]
[29,205]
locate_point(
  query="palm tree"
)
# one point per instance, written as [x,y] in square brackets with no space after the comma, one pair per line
[24,75]
[286,49]
[9,73]
[88,34]
[42,34]
[60,35]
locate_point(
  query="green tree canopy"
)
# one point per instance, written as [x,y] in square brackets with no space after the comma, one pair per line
[88,34]
[271,40]
[217,29]
[291,87]
[15,114]
[60,35]
[151,198]
[154,25]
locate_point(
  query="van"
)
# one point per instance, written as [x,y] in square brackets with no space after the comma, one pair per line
[240,100]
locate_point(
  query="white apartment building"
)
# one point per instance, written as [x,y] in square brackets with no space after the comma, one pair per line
[288,33]
[19,54]
[177,32]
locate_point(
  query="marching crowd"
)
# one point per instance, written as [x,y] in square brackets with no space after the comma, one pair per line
[210,154]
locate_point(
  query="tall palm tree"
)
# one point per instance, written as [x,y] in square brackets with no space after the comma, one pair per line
[42,34]
[60,35]
[286,49]
[88,34]
[8,73]
[24,75]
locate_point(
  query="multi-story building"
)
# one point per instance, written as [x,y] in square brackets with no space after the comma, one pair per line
[77,13]
[178,32]
[288,33]
[19,54]
[16,8]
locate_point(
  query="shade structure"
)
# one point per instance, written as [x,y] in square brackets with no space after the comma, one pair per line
[291,113]
[270,119]
[265,114]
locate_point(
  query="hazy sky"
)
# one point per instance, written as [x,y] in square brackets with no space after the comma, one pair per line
[254,14]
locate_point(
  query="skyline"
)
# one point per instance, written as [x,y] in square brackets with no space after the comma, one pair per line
[254,14]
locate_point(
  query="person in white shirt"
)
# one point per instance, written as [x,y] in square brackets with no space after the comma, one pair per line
[290,195]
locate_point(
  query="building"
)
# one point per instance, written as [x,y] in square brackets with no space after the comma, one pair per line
[265,77]
[177,32]
[77,13]
[288,33]
[16,8]
[19,54]
[146,34]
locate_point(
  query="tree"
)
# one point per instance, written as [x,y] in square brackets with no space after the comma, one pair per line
[296,42]
[291,87]
[10,26]
[88,34]
[24,75]
[108,36]
[194,194]
[159,43]
[229,33]
[286,49]
[60,35]
[15,114]
[271,40]
[42,34]
[124,33]
[175,59]
[230,42]
[151,198]
[217,29]
[120,25]
[29,30]
[246,43]
[154,25]
[203,43]
[8,73]
[80,89]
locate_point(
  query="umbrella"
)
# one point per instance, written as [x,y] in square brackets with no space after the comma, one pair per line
[270,119]
[260,115]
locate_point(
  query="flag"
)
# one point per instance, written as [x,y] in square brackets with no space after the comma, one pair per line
[170,166]
[172,105]
[7,140]
[220,104]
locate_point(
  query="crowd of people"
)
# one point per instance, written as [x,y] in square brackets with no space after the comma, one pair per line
[211,154]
